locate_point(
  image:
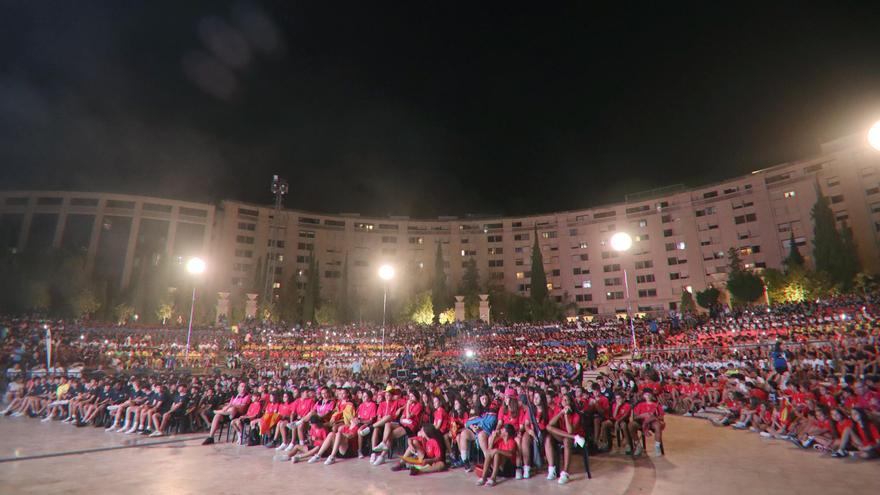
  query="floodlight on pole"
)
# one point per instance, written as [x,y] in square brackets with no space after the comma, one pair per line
[874,136]
[621,242]
[386,273]
[196,267]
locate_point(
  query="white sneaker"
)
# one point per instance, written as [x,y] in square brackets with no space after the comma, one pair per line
[658,448]
[765,434]
[289,447]
[366,431]
[527,472]
[579,440]
[281,447]
[330,460]
[551,473]
[47,418]
[380,448]
[314,459]
[490,482]
[373,458]
[130,431]
[519,474]
[294,459]
[380,459]
[111,428]
[563,478]
[156,434]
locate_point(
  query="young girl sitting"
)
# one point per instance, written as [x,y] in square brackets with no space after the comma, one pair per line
[425,453]
[500,457]
[317,435]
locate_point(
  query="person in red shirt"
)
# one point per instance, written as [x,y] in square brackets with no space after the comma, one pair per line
[818,430]
[301,416]
[384,413]
[563,428]
[598,406]
[409,424]
[533,432]
[500,456]
[318,434]
[617,420]
[860,435]
[512,413]
[647,417]
[458,416]
[270,415]
[440,417]
[341,422]
[252,413]
[425,453]
[360,424]
[285,409]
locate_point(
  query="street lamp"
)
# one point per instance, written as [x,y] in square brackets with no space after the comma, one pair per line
[874,136]
[621,242]
[386,273]
[195,267]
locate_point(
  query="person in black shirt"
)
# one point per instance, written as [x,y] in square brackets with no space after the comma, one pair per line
[176,407]
[102,400]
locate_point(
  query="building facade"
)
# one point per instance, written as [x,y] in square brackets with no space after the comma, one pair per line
[681,236]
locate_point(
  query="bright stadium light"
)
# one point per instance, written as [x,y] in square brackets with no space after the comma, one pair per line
[196,266]
[874,136]
[386,272]
[469,353]
[621,241]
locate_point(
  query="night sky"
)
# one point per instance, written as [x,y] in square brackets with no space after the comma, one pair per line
[423,108]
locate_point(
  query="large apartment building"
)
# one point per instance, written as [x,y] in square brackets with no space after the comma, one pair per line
[681,236]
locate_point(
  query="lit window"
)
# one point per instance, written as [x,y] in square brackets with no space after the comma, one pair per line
[788,194]
[690,289]
[276,285]
[520,275]
[586,284]
[682,245]
[549,286]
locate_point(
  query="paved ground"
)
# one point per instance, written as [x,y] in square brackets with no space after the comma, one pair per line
[49,458]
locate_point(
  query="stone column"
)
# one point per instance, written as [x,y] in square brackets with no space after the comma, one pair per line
[222,306]
[484,307]
[459,308]
[250,306]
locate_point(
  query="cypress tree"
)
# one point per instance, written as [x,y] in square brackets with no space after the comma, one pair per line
[310,297]
[848,264]
[470,288]
[539,293]
[827,245]
[439,292]
[288,303]
[794,260]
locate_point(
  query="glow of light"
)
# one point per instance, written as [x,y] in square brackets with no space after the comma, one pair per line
[469,353]
[81,337]
[843,316]
[386,272]
[621,241]
[195,266]
[874,136]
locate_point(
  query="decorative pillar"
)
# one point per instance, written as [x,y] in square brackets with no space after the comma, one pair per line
[250,306]
[222,306]
[484,307]
[459,308]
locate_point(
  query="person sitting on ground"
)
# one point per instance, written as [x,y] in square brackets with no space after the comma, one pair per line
[425,453]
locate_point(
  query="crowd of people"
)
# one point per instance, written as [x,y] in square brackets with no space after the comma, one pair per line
[501,400]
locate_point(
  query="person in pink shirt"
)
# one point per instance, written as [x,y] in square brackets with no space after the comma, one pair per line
[253,412]
[236,407]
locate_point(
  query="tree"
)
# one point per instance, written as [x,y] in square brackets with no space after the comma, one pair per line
[848,265]
[708,298]
[794,259]
[447,316]
[539,293]
[326,315]
[866,284]
[470,289]
[439,291]
[85,304]
[687,304]
[419,309]
[343,299]
[288,302]
[312,291]
[258,281]
[123,313]
[744,286]
[165,311]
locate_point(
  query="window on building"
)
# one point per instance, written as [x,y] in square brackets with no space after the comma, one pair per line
[496,263]
[496,250]
[644,264]
[549,235]
[494,238]
[417,240]
[610,282]
[647,292]
[611,268]
[244,239]
[614,295]
[788,194]
[645,279]
[521,237]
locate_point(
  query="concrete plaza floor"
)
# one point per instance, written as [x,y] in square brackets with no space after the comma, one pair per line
[49,458]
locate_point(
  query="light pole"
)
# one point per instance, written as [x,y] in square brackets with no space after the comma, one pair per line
[195,266]
[621,242]
[386,273]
